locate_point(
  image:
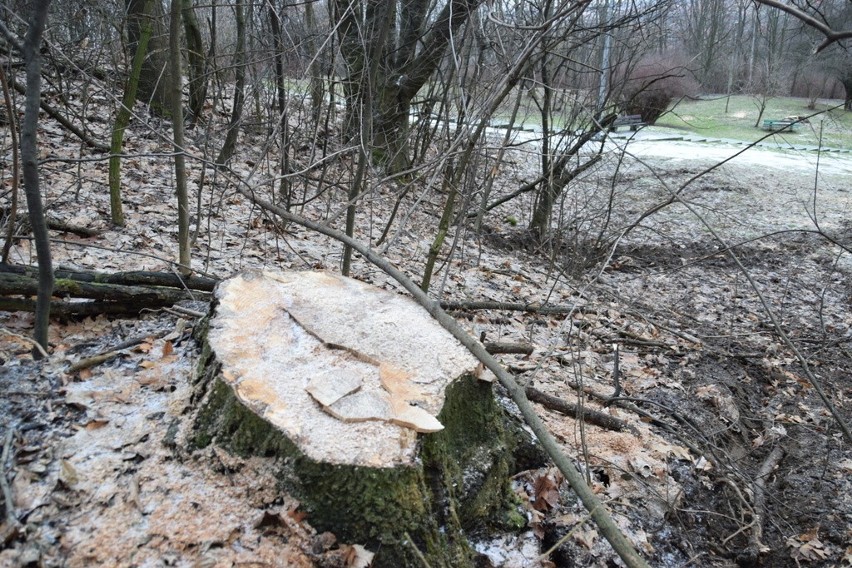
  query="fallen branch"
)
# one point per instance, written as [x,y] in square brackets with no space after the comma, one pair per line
[105,356]
[755,544]
[591,502]
[25,339]
[60,309]
[589,415]
[495,347]
[508,306]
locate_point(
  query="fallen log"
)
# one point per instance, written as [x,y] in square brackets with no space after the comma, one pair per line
[131,278]
[88,293]
[18,284]
[375,414]
[66,310]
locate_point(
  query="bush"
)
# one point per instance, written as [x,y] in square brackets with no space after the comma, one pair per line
[651,86]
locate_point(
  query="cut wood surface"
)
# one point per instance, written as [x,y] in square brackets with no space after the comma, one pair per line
[348,371]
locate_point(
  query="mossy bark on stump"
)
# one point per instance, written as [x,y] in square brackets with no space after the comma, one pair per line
[413,456]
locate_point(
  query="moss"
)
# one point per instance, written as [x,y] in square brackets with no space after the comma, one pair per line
[459,486]
[473,452]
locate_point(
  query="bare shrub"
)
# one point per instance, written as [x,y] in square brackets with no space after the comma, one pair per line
[651,86]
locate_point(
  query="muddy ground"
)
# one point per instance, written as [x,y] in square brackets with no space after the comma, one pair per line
[734,458]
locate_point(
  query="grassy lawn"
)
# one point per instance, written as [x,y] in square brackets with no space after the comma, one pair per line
[707,117]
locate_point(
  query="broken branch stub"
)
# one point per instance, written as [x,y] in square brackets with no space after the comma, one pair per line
[380,425]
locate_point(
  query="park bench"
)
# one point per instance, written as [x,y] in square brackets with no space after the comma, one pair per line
[775,125]
[634,121]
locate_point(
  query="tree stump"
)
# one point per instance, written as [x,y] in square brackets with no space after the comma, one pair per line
[377,416]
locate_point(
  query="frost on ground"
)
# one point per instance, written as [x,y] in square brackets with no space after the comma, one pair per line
[99,475]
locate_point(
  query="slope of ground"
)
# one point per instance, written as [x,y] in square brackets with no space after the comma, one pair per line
[94,461]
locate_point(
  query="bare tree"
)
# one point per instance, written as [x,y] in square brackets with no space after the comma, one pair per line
[29,161]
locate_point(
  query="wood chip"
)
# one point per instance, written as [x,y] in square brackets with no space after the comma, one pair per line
[328,388]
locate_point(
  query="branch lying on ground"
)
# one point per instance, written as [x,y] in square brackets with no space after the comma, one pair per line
[508,306]
[55,224]
[591,502]
[114,352]
[755,546]
[496,347]
[118,293]
[131,278]
[589,415]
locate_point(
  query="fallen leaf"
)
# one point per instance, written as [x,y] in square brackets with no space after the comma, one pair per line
[68,474]
[546,492]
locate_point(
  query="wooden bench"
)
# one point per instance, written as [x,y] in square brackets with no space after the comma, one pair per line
[634,121]
[783,125]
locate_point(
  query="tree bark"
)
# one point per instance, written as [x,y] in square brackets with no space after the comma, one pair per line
[197,62]
[184,259]
[230,144]
[122,119]
[153,79]
[29,161]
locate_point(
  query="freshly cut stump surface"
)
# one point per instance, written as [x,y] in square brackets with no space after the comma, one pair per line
[380,423]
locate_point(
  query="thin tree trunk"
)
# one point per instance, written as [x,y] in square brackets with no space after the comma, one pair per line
[230,144]
[314,69]
[13,198]
[197,63]
[122,120]
[153,80]
[281,93]
[29,160]
[177,127]
[443,227]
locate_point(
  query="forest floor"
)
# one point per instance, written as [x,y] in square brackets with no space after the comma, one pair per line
[95,462]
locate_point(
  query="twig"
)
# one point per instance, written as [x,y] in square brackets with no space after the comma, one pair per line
[495,347]
[27,339]
[182,311]
[416,550]
[544,555]
[105,356]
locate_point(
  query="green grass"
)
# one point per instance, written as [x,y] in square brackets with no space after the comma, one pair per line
[708,117]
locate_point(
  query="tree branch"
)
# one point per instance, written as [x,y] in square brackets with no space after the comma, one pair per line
[831,35]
